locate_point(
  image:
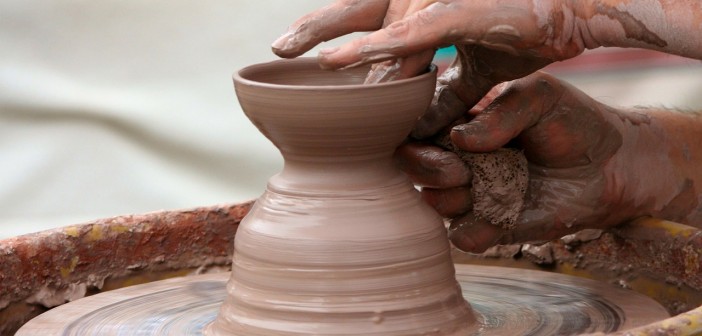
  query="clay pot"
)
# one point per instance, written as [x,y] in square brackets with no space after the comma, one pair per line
[340,242]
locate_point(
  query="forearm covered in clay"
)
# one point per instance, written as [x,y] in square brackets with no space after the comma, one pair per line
[658,169]
[671,26]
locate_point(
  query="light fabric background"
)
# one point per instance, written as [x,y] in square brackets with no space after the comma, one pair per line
[113,107]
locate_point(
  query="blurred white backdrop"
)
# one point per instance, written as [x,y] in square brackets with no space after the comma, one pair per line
[126,106]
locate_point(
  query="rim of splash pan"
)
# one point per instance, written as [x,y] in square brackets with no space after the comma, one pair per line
[300,61]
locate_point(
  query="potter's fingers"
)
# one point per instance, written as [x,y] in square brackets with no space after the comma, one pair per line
[543,223]
[337,19]
[424,30]
[452,98]
[396,11]
[471,234]
[501,121]
[518,105]
[487,100]
[432,167]
[445,108]
[400,68]
[396,68]
[449,202]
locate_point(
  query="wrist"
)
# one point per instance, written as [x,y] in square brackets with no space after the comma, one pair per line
[636,24]
[654,171]
[670,27]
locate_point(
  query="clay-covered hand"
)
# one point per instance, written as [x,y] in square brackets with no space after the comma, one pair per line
[568,140]
[496,41]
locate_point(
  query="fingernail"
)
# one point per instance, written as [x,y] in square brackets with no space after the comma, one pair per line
[322,58]
[463,128]
[473,127]
[282,42]
[462,241]
[456,234]
[468,137]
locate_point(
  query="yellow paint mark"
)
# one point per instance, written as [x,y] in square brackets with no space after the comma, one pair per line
[570,269]
[657,290]
[72,231]
[66,271]
[689,323]
[673,228]
[119,228]
[691,259]
[95,233]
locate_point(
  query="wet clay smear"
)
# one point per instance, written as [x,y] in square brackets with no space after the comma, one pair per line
[499,184]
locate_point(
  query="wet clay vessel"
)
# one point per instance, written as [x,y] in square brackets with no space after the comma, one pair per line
[340,242]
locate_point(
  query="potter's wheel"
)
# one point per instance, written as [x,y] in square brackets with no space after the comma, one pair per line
[507,301]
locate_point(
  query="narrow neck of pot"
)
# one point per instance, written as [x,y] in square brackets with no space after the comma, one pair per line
[338,175]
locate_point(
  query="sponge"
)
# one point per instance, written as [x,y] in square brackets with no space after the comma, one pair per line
[499,183]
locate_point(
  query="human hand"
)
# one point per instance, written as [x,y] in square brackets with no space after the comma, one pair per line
[496,41]
[568,139]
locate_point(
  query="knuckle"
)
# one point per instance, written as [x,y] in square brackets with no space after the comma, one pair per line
[425,17]
[397,29]
[538,82]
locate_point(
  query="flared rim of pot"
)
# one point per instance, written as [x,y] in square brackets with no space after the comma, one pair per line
[243,76]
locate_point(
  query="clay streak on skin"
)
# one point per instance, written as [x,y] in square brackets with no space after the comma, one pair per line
[633,27]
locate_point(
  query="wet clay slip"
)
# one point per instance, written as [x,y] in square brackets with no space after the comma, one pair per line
[340,243]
